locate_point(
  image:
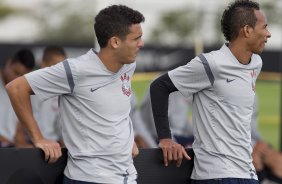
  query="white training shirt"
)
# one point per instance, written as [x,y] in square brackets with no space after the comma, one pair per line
[223,95]
[46,114]
[94,112]
[8,118]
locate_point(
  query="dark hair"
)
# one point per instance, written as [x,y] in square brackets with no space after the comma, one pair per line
[115,20]
[25,57]
[237,15]
[52,50]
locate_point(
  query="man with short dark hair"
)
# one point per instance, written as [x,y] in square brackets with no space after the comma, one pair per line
[21,63]
[94,96]
[45,112]
[222,83]
[52,55]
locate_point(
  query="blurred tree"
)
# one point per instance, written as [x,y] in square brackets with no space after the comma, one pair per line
[177,27]
[219,38]
[65,23]
[5,10]
[62,22]
[271,8]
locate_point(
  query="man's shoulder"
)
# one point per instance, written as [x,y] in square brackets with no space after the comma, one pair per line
[83,63]
[256,57]
[209,57]
[88,56]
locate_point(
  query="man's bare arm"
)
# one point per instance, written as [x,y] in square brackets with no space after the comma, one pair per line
[19,92]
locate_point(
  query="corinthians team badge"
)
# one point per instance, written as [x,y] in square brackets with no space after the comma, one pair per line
[126,87]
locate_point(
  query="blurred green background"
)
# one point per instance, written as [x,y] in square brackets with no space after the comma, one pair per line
[269,111]
[269,107]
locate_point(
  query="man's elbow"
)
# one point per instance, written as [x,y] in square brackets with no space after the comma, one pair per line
[11,87]
[18,86]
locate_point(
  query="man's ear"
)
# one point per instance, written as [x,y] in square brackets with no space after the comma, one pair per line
[114,42]
[247,30]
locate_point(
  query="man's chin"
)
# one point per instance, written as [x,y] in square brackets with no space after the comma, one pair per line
[130,60]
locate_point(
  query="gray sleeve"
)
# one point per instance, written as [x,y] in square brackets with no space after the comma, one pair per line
[192,77]
[51,81]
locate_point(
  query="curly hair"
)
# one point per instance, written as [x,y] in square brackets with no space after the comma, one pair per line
[115,20]
[237,15]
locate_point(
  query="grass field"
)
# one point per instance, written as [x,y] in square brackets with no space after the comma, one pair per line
[269,111]
[269,107]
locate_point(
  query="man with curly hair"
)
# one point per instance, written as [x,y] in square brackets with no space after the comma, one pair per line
[94,102]
[222,83]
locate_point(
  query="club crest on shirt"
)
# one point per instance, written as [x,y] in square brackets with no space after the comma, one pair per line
[126,87]
[253,74]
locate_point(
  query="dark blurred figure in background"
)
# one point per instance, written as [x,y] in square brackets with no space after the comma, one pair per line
[45,112]
[142,136]
[21,63]
[267,161]
[180,123]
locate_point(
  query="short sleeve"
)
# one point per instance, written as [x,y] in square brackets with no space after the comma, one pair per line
[191,78]
[51,81]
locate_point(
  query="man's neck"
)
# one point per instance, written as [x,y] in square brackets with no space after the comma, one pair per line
[240,53]
[110,62]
